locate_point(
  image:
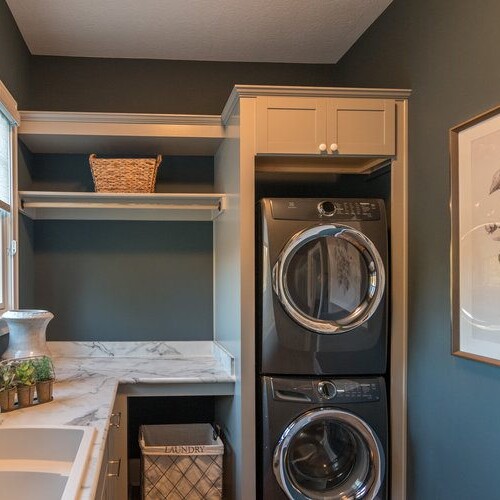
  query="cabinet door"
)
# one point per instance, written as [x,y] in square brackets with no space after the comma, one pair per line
[361,126]
[102,485]
[291,125]
[117,450]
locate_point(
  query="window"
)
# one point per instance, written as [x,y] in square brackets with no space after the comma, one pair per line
[9,120]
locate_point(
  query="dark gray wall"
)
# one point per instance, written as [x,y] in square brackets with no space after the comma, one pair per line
[125,280]
[71,172]
[155,86]
[14,57]
[447,52]
[118,85]
[108,280]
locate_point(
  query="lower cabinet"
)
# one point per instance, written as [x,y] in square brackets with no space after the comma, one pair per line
[150,405]
[113,477]
[102,485]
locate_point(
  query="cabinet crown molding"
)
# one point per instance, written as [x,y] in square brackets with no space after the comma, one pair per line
[126,118]
[240,91]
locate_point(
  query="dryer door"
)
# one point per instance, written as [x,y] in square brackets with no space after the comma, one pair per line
[329,278]
[329,454]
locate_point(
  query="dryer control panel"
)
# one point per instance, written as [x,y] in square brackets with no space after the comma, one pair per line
[327,209]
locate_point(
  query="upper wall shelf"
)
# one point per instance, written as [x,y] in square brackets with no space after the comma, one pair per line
[120,133]
[51,205]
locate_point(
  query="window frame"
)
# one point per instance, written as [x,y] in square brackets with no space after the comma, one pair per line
[9,219]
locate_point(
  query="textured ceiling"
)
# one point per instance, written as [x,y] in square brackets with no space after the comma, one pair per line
[297,31]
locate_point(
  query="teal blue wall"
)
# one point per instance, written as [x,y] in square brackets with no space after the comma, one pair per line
[447,52]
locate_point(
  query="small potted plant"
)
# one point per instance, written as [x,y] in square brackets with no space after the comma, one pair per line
[25,379]
[7,387]
[44,377]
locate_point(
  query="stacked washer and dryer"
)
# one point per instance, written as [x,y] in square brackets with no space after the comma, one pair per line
[322,349]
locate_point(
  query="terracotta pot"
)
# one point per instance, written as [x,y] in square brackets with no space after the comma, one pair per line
[25,395]
[7,399]
[44,391]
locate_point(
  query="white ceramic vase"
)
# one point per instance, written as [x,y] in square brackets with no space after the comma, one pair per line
[26,332]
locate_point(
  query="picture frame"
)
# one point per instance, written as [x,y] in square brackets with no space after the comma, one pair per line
[475,237]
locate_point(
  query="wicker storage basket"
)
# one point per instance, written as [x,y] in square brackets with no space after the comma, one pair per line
[124,175]
[180,461]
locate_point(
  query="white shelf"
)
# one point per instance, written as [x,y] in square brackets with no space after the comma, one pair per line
[52,205]
[120,133]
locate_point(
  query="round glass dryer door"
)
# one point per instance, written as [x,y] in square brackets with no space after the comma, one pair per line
[329,278]
[329,454]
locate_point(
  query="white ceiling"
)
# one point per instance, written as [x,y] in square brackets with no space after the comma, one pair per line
[293,31]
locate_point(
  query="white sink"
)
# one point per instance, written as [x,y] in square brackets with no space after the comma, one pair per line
[43,462]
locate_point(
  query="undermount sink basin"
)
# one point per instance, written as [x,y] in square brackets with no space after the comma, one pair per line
[43,462]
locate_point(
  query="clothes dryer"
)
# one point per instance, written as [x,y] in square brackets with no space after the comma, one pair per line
[323,439]
[322,286]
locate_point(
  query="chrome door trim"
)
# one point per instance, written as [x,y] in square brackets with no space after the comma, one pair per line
[370,485]
[376,283]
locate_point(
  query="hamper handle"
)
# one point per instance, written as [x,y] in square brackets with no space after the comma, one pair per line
[216,431]
[158,160]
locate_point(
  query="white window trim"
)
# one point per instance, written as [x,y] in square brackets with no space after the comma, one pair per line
[8,106]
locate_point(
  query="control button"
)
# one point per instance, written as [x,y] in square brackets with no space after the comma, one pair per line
[326,208]
[327,389]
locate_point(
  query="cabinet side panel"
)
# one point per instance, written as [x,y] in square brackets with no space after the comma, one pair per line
[227,298]
[247,234]
[399,307]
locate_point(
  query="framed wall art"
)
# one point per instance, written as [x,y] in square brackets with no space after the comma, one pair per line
[475,239]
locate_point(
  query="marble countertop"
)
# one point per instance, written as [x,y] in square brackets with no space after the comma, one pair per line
[88,374]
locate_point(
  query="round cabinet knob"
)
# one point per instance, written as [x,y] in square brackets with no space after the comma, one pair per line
[322,147]
[327,389]
[326,208]
[334,147]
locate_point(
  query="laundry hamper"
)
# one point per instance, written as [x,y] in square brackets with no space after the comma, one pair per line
[124,175]
[180,462]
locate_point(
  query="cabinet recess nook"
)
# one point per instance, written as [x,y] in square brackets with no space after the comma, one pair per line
[332,130]
[116,133]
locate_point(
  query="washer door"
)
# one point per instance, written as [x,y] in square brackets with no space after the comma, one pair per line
[329,454]
[329,278]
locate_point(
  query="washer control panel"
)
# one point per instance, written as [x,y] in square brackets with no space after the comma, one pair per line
[327,209]
[362,390]
[348,391]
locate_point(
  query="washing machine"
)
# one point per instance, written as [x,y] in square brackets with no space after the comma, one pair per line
[323,439]
[321,286]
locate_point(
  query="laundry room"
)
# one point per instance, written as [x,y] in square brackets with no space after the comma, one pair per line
[295,301]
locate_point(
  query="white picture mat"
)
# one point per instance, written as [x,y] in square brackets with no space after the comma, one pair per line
[479,264]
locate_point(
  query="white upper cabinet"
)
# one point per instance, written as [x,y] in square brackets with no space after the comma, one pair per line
[361,126]
[295,125]
[325,126]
